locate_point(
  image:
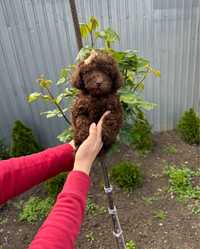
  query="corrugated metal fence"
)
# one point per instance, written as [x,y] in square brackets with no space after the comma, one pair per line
[37,36]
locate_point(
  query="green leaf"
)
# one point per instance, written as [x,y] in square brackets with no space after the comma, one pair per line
[46,97]
[33,97]
[61,81]
[44,82]
[134,100]
[108,35]
[83,53]
[71,92]
[93,23]
[51,114]
[60,98]
[129,98]
[64,72]
[87,28]
[147,105]
[65,136]
[84,29]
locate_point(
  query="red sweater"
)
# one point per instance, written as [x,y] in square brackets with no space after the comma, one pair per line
[62,226]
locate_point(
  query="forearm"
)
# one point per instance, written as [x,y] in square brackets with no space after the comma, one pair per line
[61,228]
[20,174]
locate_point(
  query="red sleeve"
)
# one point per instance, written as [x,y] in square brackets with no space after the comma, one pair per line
[61,228]
[20,174]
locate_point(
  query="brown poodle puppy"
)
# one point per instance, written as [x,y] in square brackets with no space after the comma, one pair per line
[98,78]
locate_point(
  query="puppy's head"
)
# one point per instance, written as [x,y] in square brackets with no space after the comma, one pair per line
[99,77]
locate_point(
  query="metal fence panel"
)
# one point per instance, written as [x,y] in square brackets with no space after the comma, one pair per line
[37,36]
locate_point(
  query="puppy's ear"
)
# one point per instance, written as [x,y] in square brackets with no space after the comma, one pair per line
[118,79]
[76,77]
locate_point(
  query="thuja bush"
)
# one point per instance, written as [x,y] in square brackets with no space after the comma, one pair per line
[141,133]
[55,184]
[189,127]
[23,141]
[4,151]
[126,175]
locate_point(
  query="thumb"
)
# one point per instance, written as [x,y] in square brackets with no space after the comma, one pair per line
[93,130]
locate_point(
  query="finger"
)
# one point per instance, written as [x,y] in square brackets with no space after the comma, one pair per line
[92,131]
[72,143]
[99,125]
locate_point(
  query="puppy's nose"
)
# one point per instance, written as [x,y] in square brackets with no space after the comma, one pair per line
[98,83]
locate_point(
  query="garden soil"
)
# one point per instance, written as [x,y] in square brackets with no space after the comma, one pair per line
[179,229]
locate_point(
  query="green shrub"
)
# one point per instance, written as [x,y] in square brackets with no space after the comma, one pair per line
[130,245]
[4,152]
[55,184]
[23,141]
[141,134]
[36,209]
[189,127]
[127,175]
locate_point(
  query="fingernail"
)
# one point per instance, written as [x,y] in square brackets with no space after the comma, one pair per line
[93,125]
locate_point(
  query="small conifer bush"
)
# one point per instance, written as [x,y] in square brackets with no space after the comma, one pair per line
[126,175]
[189,127]
[55,184]
[141,134]
[23,141]
[4,152]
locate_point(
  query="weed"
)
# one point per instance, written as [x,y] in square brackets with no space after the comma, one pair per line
[160,214]
[93,208]
[36,209]
[90,237]
[170,150]
[150,200]
[18,204]
[180,180]
[130,244]
[3,221]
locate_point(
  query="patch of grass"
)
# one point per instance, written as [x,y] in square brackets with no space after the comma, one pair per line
[93,209]
[36,209]
[126,175]
[130,245]
[180,180]
[160,214]
[196,209]
[170,150]
[3,221]
[18,204]
[90,237]
[150,200]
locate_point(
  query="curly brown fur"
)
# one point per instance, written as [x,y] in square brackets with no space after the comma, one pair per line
[98,82]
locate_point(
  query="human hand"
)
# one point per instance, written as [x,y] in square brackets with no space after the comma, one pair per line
[90,148]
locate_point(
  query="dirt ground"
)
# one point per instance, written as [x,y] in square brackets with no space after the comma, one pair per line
[179,229]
